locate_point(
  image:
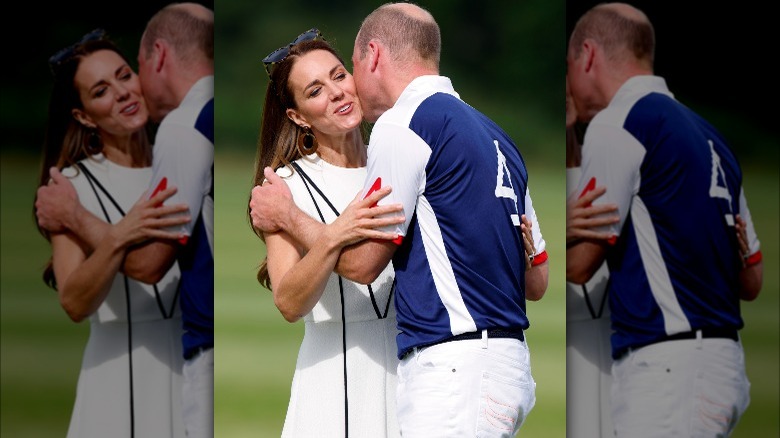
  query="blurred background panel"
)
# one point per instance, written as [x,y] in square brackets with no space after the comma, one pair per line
[506,58]
[712,57]
[40,348]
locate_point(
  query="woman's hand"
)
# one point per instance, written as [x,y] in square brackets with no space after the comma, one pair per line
[744,248]
[148,218]
[582,217]
[528,242]
[362,220]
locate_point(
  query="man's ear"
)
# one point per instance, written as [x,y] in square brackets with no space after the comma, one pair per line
[375,50]
[83,118]
[589,53]
[160,52]
[297,118]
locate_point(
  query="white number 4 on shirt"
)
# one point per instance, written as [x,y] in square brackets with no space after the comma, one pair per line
[503,191]
[717,190]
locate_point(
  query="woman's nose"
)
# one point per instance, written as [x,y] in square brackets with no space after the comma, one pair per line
[122,92]
[336,92]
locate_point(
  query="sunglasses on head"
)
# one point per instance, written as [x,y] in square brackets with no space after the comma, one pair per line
[68,52]
[281,53]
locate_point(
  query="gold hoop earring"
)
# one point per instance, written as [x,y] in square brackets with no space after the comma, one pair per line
[93,144]
[307,142]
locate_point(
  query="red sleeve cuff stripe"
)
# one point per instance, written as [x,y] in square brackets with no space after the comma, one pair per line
[753,259]
[539,258]
[398,240]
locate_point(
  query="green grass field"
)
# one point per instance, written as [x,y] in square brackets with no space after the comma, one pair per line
[41,349]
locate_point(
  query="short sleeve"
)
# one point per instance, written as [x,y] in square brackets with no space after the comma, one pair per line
[183,158]
[397,157]
[611,158]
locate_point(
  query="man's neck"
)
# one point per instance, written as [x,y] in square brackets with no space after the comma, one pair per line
[405,77]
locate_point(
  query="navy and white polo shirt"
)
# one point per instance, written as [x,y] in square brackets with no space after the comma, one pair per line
[184,157]
[675,263]
[463,184]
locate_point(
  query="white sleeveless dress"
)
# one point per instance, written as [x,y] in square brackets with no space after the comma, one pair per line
[588,350]
[317,403]
[106,406]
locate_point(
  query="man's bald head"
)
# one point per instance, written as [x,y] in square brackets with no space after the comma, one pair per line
[408,31]
[188,27]
[623,31]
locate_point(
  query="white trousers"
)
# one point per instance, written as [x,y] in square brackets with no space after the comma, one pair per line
[198,395]
[467,388]
[588,379]
[685,388]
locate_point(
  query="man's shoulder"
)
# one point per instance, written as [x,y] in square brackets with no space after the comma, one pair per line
[199,98]
[185,115]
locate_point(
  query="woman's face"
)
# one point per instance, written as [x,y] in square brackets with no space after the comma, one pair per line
[324,93]
[110,94]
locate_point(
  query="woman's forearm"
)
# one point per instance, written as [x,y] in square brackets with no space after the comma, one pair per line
[84,282]
[302,285]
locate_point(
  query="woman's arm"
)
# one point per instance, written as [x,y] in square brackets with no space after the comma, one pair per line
[84,281]
[752,274]
[298,281]
[84,275]
[58,209]
[536,276]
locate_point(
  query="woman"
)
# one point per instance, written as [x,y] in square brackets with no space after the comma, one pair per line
[311,133]
[129,383]
[588,352]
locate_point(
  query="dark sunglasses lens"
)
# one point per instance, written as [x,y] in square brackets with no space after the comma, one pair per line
[278,55]
[281,53]
[67,52]
[94,35]
[309,35]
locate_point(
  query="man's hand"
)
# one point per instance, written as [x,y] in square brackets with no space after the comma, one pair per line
[271,203]
[56,204]
[582,217]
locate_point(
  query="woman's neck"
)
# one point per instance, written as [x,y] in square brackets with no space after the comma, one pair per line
[346,150]
[117,149]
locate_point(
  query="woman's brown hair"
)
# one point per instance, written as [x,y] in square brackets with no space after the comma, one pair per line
[277,145]
[66,141]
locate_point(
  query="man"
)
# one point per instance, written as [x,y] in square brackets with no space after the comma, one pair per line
[175,59]
[460,270]
[684,251]
[176,69]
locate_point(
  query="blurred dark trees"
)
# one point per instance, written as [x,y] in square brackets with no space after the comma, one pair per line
[506,58]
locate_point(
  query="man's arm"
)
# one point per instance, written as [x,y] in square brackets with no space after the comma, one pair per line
[58,208]
[272,209]
[583,259]
[598,208]
[183,158]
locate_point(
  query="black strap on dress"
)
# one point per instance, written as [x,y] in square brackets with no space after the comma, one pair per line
[93,182]
[306,182]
